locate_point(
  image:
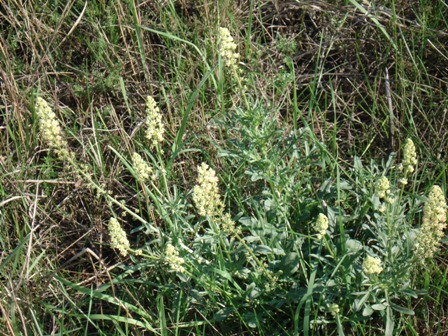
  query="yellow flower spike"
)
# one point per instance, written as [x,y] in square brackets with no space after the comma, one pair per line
[334,309]
[143,171]
[383,187]
[409,157]
[227,48]
[227,224]
[155,127]
[321,225]
[206,193]
[118,238]
[208,202]
[434,222]
[50,128]
[173,260]
[372,265]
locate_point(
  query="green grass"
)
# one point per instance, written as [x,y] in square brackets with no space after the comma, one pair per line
[320,107]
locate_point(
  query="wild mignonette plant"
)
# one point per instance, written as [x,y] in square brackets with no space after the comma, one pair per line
[283,239]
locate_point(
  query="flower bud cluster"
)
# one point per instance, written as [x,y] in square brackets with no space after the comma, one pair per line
[143,171]
[409,157]
[372,265]
[206,193]
[334,309]
[227,47]
[321,225]
[50,128]
[383,189]
[155,127]
[208,200]
[118,238]
[434,222]
[227,224]
[173,260]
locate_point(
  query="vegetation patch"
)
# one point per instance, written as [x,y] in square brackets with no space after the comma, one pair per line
[235,167]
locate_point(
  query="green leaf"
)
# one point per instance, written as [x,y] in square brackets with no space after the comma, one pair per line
[360,302]
[389,322]
[410,292]
[353,245]
[379,306]
[222,314]
[251,319]
[402,310]
[251,239]
[290,263]
[367,311]
[263,249]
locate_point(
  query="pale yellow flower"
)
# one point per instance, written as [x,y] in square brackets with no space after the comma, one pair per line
[372,265]
[118,238]
[227,224]
[173,260]
[321,225]
[403,181]
[383,190]
[383,187]
[409,156]
[143,171]
[227,47]
[208,200]
[434,222]
[334,309]
[51,130]
[155,127]
[206,193]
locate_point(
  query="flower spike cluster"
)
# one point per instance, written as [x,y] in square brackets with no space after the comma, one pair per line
[118,238]
[372,265]
[227,47]
[173,260]
[206,193]
[50,129]
[321,225]
[409,157]
[383,189]
[142,169]
[434,222]
[208,200]
[155,127]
